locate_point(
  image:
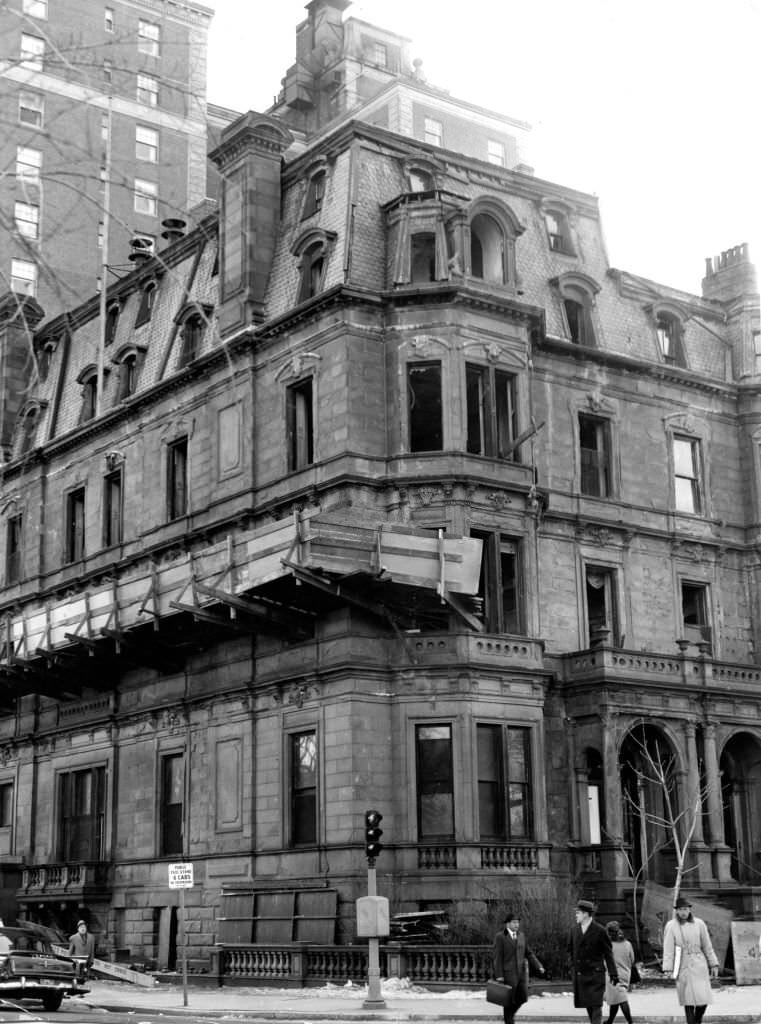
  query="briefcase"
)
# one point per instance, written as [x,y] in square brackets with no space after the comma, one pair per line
[498,993]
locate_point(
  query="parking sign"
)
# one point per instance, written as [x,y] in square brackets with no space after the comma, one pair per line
[180,876]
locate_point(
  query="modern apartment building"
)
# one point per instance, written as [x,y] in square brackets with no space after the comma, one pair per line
[103,108]
[387,491]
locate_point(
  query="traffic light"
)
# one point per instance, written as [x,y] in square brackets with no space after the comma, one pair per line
[373,832]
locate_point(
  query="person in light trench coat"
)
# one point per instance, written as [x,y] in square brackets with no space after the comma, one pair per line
[697,961]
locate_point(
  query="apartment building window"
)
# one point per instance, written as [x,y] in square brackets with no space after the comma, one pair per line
[500,584]
[32,52]
[435,781]
[14,532]
[496,153]
[27,217]
[177,478]
[147,90]
[695,620]
[24,277]
[82,815]
[128,369]
[602,612]
[28,165]
[594,450]
[315,194]
[504,782]
[108,19]
[6,805]
[146,197]
[425,407]
[113,507]
[491,411]
[558,232]
[299,412]
[378,54]
[687,484]
[35,8]
[112,322]
[171,804]
[75,525]
[492,245]
[303,787]
[31,106]
[148,37]
[433,132]
[146,144]
[578,315]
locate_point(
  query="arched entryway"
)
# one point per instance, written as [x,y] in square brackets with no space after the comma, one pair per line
[740,766]
[649,796]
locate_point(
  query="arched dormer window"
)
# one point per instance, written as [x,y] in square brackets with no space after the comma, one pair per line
[44,351]
[577,293]
[128,360]
[112,322]
[669,332]
[147,302]
[493,231]
[312,250]
[88,378]
[27,427]
[193,320]
[421,174]
[315,191]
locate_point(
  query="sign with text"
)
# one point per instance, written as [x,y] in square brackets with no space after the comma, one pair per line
[180,876]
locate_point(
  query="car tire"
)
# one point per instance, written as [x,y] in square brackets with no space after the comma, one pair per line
[52,1001]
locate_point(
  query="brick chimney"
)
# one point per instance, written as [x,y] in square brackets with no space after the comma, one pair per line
[730,275]
[19,317]
[248,157]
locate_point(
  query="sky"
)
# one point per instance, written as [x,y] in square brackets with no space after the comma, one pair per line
[653,106]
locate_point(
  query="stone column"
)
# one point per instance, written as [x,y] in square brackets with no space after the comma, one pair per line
[721,852]
[698,853]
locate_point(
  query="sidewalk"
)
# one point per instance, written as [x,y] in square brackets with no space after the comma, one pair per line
[404,1002]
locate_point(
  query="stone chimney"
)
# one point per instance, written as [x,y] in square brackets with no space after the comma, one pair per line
[731,281]
[248,157]
[19,317]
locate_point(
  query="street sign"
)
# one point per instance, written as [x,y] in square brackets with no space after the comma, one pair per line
[180,876]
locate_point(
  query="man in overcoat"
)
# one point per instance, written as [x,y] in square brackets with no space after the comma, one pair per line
[689,954]
[511,960]
[591,952]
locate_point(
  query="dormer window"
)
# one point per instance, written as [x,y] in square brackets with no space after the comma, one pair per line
[147,301]
[420,181]
[191,333]
[112,322]
[493,230]
[28,429]
[668,329]
[423,257]
[312,250]
[315,194]
[558,231]
[577,292]
[89,397]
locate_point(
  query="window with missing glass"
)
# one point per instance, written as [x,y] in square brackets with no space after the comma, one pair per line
[82,815]
[594,452]
[504,782]
[171,804]
[492,424]
[424,397]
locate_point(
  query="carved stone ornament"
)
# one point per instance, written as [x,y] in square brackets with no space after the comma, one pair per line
[427,344]
[500,500]
[599,535]
[426,494]
[597,402]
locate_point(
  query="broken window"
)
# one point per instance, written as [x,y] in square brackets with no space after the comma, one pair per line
[491,411]
[594,445]
[435,781]
[499,584]
[425,407]
[299,425]
[602,618]
[695,612]
[423,257]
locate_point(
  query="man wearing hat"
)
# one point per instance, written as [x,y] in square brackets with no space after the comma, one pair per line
[82,944]
[511,962]
[591,951]
[688,957]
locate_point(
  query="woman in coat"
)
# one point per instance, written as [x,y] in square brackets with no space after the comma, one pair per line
[617,996]
[697,962]
[511,960]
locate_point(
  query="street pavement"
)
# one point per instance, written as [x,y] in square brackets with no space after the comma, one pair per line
[404,1002]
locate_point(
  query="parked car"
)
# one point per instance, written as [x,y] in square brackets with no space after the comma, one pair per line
[29,969]
[423,926]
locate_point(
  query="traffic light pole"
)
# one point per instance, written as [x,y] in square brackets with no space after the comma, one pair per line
[374,999]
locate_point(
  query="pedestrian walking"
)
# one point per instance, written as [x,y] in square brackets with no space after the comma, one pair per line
[82,944]
[591,953]
[511,963]
[617,996]
[688,957]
